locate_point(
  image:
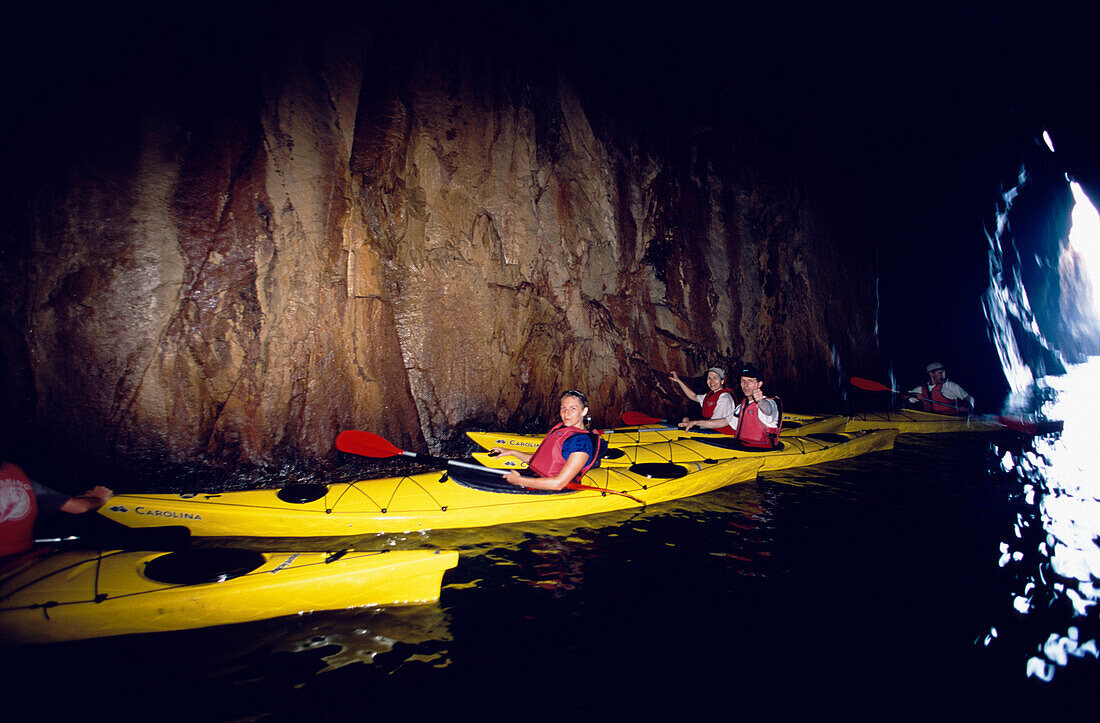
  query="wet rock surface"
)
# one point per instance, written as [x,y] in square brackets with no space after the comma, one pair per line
[351,220]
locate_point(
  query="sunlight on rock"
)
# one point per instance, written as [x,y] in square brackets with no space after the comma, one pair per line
[1084,237]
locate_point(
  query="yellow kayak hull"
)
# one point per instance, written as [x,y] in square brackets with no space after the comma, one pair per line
[432,500]
[89,594]
[918,422]
[794,452]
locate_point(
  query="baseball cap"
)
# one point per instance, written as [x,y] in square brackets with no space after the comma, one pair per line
[750,370]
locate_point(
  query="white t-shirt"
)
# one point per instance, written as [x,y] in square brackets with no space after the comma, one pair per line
[767,411]
[724,407]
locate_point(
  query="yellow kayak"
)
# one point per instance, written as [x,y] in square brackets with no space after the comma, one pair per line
[796,425]
[74,595]
[793,425]
[792,452]
[431,500]
[918,422]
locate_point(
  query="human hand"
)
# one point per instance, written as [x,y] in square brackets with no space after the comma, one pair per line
[100,493]
[514,477]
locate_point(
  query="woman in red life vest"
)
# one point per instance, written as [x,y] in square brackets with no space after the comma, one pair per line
[566,453]
[717,403]
[756,421]
[940,395]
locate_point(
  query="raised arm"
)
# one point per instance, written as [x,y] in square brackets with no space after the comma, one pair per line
[684,387]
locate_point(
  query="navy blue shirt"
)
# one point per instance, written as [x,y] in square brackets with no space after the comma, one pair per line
[577,443]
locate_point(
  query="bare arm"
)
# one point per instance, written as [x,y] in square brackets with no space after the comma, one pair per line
[683,387]
[93,499]
[704,423]
[571,469]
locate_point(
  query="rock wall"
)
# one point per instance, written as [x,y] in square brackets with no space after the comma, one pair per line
[372,221]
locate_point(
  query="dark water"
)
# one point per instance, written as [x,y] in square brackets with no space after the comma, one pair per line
[953,575]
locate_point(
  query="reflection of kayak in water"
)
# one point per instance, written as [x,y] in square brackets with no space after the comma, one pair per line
[89,594]
[792,451]
[919,422]
[430,500]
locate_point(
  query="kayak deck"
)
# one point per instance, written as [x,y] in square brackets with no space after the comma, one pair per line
[430,500]
[83,594]
[793,451]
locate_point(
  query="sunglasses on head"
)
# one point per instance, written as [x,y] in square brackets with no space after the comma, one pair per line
[575,393]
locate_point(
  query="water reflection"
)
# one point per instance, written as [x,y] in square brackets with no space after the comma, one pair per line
[348,637]
[896,571]
[511,580]
[1054,546]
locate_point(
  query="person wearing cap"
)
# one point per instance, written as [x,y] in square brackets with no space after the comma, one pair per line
[717,403]
[939,394]
[756,421]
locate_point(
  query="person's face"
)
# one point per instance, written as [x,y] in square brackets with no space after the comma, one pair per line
[750,385]
[572,412]
[939,376]
[714,381]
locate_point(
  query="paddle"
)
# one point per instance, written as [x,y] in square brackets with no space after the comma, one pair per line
[367,444]
[1013,422]
[98,531]
[870,385]
[637,419]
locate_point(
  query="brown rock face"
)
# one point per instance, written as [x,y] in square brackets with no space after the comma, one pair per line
[411,235]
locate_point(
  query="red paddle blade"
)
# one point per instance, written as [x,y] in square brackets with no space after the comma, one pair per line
[1030,426]
[869,385]
[366,444]
[634,419]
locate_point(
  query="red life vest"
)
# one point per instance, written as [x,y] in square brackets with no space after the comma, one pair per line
[18,510]
[710,401]
[548,459]
[953,406]
[752,432]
